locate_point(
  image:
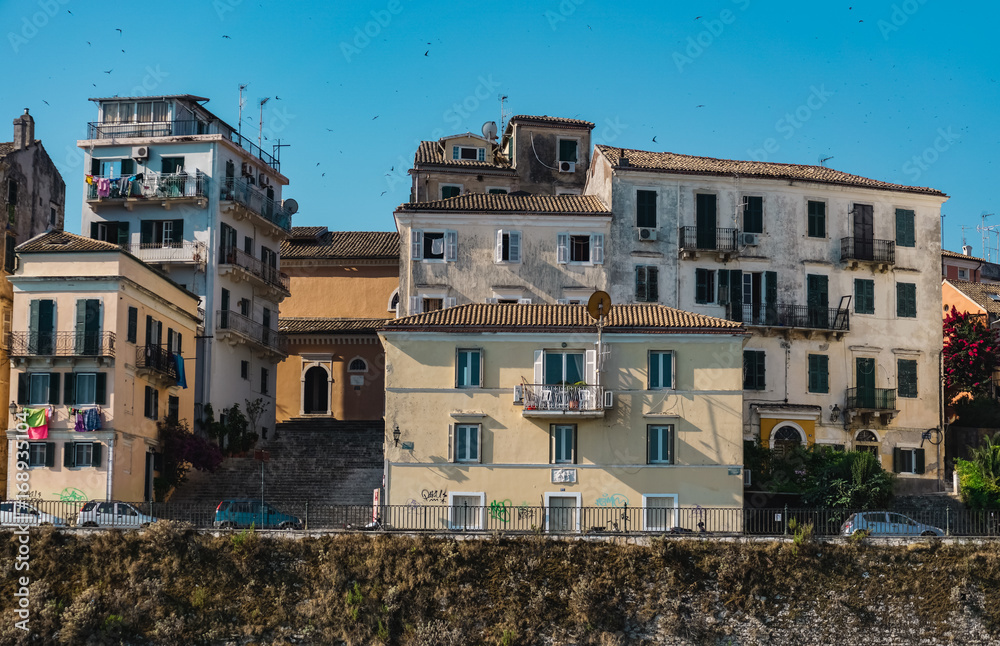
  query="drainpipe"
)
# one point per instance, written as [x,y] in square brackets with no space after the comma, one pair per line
[111,470]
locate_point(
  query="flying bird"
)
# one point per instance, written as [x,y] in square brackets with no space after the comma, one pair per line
[277,98]
[381,194]
[375,117]
[109,71]
[317,163]
[69,12]
[701,106]
[119,31]
[427,52]
[45,102]
[88,42]
[323,175]
[329,129]
[225,36]
[654,140]
[123,51]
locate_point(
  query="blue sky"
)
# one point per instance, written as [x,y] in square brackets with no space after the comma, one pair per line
[897,91]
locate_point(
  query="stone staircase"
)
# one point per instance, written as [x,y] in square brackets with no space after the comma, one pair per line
[319,461]
[928,503]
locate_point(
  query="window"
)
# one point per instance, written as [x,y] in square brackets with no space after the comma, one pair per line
[907,460]
[906,377]
[563,367]
[645,209]
[867,441]
[269,257]
[38,388]
[110,231]
[660,444]
[753,370]
[151,408]
[905,234]
[166,233]
[659,512]
[468,153]
[432,304]
[466,510]
[88,326]
[133,325]
[450,190]
[704,285]
[12,192]
[564,444]
[264,379]
[661,369]
[9,255]
[753,214]
[567,150]
[467,439]
[508,246]
[819,373]
[85,388]
[906,300]
[172,165]
[434,245]
[41,327]
[173,407]
[646,284]
[963,274]
[580,248]
[496,191]
[245,370]
[469,369]
[358,365]
[817,219]
[82,454]
[864,296]
[785,439]
[41,454]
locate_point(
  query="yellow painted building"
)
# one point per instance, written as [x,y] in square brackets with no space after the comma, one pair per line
[518,406]
[97,333]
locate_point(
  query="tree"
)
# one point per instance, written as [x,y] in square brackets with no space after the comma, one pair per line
[255,409]
[231,432]
[181,450]
[971,354]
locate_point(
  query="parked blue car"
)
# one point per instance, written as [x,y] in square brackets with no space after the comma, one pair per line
[243,512]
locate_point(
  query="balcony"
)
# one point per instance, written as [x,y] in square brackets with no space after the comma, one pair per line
[544,400]
[178,128]
[868,403]
[156,361]
[238,329]
[163,188]
[61,344]
[185,252]
[250,200]
[881,253]
[723,242]
[779,318]
[257,271]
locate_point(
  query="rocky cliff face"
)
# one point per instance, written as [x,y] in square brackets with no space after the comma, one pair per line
[170,585]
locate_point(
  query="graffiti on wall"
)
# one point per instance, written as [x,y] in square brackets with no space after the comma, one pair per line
[499,510]
[434,495]
[612,500]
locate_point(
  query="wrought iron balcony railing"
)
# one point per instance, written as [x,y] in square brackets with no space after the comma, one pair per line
[709,239]
[255,266]
[551,397]
[871,398]
[248,328]
[882,251]
[237,189]
[61,344]
[157,252]
[155,357]
[150,186]
[792,316]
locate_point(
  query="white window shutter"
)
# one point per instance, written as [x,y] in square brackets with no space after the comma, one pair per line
[524,301]
[449,301]
[451,442]
[514,246]
[562,301]
[498,256]
[492,300]
[591,367]
[562,248]
[479,442]
[454,152]
[539,357]
[417,244]
[597,248]
[450,246]
[415,303]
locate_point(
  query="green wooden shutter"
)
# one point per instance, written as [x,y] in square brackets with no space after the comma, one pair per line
[69,455]
[69,389]
[761,382]
[918,461]
[22,388]
[645,208]
[178,234]
[819,371]
[53,388]
[701,286]
[771,297]
[122,237]
[906,377]
[128,167]
[133,324]
[33,332]
[723,298]
[102,389]
[50,454]
[897,459]
[640,284]
[93,231]
[906,300]
[96,460]
[81,325]
[146,232]
[95,166]
[736,294]
[905,233]
[753,215]
[652,285]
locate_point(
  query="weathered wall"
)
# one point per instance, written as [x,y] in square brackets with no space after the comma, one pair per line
[321,289]
[170,586]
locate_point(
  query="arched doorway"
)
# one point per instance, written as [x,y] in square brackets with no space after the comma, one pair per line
[867,441]
[785,439]
[316,392]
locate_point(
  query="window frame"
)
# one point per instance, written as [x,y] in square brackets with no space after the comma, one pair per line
[450,245]
[471,431]
[32,452]
[812,217]
[554,430]
[508,240]
[481,507]
[639,214]
[77,380]
[478,376]
[746,210]
[576,149]
[351,367]
[904,300]
[645,509]
[647,283]
[813,367]
[441,188]
[649,369]
[671,435]
[858,302]
[564,248]
[906,236]
[710,296]
[917,459]
[83,446]
[758,382]
[457,151]
[911,364]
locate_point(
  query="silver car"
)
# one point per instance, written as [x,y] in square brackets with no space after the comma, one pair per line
[22,513]
[112,514]
[887,523]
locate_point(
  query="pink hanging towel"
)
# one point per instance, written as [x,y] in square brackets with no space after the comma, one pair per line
[103,187]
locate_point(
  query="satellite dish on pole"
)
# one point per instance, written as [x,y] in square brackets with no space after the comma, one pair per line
[490,130]
[291,206]
[599,305]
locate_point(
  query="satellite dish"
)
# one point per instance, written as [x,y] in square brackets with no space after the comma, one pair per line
[490,130]
[599,305]
[291,206]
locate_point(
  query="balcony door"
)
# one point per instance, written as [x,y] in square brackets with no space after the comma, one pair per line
[706,221]
[563,368]
[818,300]
[864,232]
[316,392]
[865,382]
[88,326]
[42,327]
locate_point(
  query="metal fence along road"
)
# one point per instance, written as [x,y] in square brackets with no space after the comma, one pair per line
[502,516]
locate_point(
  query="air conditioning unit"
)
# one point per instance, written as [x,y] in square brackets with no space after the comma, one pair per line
[609,399]
[647,233]
[518,394]
[262,180]
[567,167]
[140,152]
[246,170]
[747,480]
[749,239]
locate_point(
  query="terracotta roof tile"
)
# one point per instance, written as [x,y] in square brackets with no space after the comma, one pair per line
[961,256]
[562,204]
[308,233]
[526,318]
[689,164]
[981,293]
[555,120]
[297,325]
[6,148]
[64,242]
[432,152]
[344,244]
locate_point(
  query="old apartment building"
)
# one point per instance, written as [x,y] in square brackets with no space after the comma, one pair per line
[183,190]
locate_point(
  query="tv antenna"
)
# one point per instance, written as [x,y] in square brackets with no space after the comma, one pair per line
[991,250]
[823,160]
[504,114]
[260,131]
[239,124]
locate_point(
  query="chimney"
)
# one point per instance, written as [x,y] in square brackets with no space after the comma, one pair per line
[967,249]
[24,131]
